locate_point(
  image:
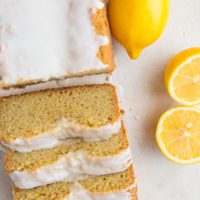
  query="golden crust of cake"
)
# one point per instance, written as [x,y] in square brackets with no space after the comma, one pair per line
[34,113]
[134,193]
[105,53]
[122,181]
[14,161]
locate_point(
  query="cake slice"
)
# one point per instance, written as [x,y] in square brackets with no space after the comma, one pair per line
[45,119]
[51,39]
[68,162]
[119,186]
[52,84]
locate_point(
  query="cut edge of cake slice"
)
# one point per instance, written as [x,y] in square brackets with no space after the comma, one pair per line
[45,119]
[120,185]
[69,163]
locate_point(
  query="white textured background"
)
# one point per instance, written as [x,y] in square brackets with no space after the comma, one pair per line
[145,98]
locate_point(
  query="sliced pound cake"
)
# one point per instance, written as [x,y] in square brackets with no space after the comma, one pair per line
[44,40]
[68,162]
[48,118]
[119,186]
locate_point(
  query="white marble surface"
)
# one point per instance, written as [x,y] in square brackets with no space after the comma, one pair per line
[145,98]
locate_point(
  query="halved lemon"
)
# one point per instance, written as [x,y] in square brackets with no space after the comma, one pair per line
[178,134]
[182,77]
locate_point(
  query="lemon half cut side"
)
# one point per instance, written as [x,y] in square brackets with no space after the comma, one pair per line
[182,77]
[178,135]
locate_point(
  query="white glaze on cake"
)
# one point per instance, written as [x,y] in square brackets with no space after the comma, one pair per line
[46,38]
[63,132]
[71,167]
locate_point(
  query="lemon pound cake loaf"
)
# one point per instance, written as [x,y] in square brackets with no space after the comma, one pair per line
[69,162]
[51,39]
[48,118]
[119,186]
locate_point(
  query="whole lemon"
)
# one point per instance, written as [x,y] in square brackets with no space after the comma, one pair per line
[137,23]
